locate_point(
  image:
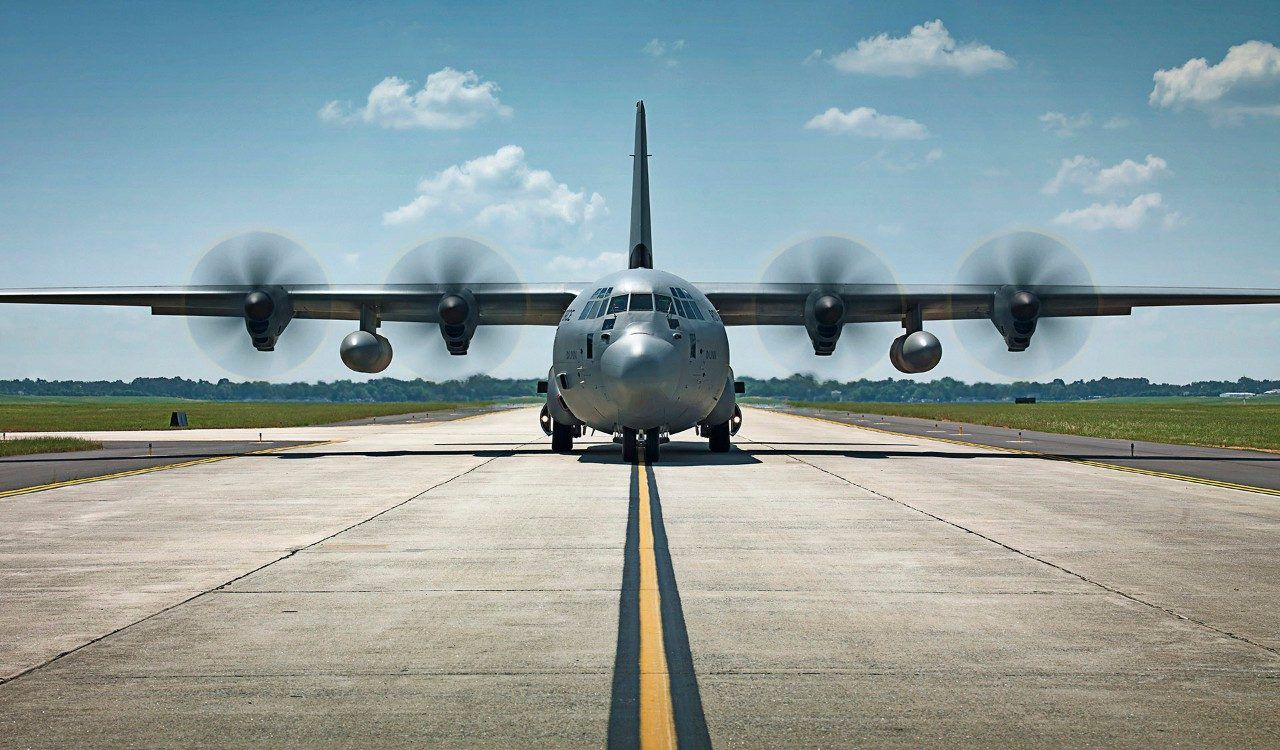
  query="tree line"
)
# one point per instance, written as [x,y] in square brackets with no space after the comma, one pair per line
[485,388]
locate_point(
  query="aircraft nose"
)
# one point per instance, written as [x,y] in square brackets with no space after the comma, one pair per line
[641,373]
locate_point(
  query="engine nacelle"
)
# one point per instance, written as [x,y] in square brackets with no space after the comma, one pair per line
[458,314]
[915,352]
[823,321]
[1015,313]
[266,313]
[363,351]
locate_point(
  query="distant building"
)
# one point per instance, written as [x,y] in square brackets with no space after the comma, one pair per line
[1236,395]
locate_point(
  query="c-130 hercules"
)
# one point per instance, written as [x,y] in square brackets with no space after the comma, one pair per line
[642,353]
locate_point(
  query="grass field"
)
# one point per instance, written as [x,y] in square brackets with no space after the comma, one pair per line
[28,446]
[36,414]
[1183,421]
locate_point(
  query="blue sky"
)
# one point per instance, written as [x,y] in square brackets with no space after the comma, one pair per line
[134,137]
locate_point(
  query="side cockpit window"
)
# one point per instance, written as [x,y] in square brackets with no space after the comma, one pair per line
[662,303]
[618,304]
[589,311]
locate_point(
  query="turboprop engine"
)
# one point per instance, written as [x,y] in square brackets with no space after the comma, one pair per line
[1015,313]
[266,313]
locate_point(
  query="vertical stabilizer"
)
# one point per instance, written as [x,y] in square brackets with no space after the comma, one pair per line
[641,252]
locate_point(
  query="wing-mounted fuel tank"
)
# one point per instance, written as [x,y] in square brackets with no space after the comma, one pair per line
[917,350]
[366,350]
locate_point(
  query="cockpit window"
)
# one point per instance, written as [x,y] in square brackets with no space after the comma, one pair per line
[641,302]
[618,304]
[694,312]
[588,311]
[662,303]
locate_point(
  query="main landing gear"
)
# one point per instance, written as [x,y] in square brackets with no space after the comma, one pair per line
[633,447]
[562,437]
[717,437]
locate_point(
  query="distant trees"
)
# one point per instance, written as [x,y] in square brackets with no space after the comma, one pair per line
[485,388]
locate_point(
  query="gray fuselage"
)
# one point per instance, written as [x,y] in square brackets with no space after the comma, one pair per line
[641,349]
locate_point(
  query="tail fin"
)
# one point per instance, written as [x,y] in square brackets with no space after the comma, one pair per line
[641,253]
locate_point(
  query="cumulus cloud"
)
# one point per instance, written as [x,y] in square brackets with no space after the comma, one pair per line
[658,49]
[1117,123]
[1245,83]
[1130,216]
[1091,177]
[1065,126]
[868,123]
[927,47]
[449,100]
[587,268]
[501,194]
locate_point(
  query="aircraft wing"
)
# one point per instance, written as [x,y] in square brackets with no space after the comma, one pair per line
[784,303]
[498,304]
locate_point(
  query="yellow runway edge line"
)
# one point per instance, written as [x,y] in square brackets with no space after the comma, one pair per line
[150,469]
[1052,456]
[657,717]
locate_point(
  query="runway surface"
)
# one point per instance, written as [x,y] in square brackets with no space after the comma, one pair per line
[1250,468]
[456,584]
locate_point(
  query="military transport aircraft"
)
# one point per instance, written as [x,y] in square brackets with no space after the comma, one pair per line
[641,353]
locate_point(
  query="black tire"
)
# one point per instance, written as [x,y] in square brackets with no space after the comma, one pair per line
[651,446]
[561,437]
[628,445]
[717,437]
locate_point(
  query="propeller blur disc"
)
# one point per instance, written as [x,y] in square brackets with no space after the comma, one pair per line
[1025,260]
[828,260]
[456,262]
[256,260]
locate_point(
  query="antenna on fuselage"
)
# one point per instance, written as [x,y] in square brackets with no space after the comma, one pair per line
[641,252]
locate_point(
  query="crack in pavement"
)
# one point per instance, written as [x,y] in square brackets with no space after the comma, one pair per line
[97,639]
[1080,576]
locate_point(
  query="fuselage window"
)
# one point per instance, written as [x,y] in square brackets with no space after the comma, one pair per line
[591,340]
[588,311]
[662,303]
[618,304]
[693,346]
[607,325]
[641,302]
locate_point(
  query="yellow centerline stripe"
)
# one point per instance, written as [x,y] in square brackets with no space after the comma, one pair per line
[150,469]
[1052,456]
[657,717]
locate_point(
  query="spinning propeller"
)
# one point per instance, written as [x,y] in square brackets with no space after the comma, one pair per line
[1021,262]
[827,262]
[262,262]
[457,263]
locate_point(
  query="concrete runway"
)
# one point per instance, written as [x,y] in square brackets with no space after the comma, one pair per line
[456,584]
[1232,466]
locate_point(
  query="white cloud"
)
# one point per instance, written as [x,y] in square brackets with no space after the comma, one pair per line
[1114,215]
[1091,177]
[661,50]
[927,47]
[1117,123]
[502,194]
[933,155]
[587,268]
[1245,83]
[813,56]
[868,123]
[449,100]
[1065,126]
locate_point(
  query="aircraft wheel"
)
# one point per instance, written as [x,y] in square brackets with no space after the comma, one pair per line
[628,445]
[561,438]
[651,442]
[717,437]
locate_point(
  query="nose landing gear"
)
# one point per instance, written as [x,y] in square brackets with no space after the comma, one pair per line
[633,447]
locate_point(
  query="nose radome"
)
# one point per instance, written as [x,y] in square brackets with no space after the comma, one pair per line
[641,359]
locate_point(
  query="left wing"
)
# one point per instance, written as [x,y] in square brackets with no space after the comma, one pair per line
[497,304]
[784,303]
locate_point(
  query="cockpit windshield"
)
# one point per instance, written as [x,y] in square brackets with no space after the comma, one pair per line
[642,302]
